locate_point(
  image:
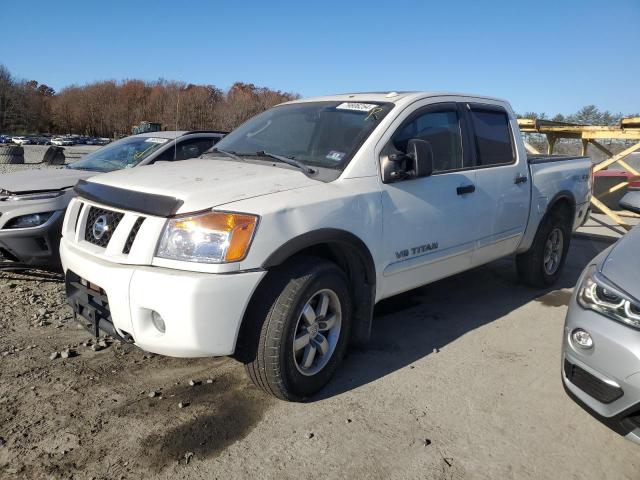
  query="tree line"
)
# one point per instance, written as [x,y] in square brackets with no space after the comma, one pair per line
[587,115]
[111,108]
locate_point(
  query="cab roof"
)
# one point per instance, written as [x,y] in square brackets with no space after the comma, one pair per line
[391,96]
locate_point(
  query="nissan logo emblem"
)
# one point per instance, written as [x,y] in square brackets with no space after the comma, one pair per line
[100,227]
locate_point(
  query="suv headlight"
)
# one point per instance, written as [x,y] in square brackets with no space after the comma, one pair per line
[600,295]
[213,237]
[29,221]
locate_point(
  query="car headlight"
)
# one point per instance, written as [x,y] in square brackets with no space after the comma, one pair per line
[17,197]
[212,237]
[29,221]
[600,295]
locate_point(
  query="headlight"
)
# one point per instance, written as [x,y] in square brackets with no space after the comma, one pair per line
[213,237]
[29,221]
[16,197]
[597,293]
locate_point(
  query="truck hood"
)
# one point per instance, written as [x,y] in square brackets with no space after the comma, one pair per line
[207,183]
[41,180]
[622,265]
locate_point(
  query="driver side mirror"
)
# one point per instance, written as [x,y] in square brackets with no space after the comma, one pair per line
[631,201]
[417,162]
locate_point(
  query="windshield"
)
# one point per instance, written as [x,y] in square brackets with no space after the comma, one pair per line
[125,153]
[324,134]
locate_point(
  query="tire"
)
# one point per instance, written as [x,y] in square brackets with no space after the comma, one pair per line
[54,156]
[11,154]
[281,314]
[536,266]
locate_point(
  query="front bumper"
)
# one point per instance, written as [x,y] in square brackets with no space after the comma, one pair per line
[613,363]
[36,246]
[202,312]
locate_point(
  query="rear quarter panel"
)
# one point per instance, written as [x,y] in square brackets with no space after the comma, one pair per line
[552,179]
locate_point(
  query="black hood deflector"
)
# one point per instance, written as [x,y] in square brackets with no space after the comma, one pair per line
[123,199]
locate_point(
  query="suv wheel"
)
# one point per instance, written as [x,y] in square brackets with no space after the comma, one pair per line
[304,333]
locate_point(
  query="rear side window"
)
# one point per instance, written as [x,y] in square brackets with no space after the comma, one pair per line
[187,149]
[492,137]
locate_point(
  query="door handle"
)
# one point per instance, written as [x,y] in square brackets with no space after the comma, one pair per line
[520,179]
[466,189]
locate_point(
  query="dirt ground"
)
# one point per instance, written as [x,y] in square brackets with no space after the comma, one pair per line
[460,381]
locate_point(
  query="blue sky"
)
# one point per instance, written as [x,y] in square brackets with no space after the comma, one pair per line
[551,56]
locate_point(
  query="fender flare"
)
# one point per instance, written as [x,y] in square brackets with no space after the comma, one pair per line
[321,237]
[563,195]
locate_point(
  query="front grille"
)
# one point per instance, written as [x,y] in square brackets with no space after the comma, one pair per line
[132,235]
[100,234]
[75,225]
[591,385]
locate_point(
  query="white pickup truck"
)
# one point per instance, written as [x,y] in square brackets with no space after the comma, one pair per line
[276,250]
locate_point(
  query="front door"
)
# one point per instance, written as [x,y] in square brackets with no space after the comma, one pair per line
[430,223]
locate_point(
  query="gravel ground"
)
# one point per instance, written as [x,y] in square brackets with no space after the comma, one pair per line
[33,155]
[460,381]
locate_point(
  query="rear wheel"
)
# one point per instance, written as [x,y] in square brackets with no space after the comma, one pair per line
[542,264]
[304,333]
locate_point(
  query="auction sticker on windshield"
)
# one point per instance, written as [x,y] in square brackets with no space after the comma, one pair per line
[356,106]
[335,155]
[156,140]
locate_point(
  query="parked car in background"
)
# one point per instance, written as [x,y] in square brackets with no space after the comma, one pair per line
[601,342]
[21,140]
[276,249]
[41,140]
[61,141]
[33,202]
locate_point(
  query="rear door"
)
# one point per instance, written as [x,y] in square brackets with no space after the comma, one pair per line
[502,181]
[429,223]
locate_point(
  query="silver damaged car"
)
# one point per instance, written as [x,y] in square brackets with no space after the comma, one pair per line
[601,346]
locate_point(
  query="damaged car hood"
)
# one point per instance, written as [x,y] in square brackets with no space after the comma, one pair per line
[42,180]
[201,184]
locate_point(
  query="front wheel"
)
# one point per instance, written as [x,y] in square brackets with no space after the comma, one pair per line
[304,334]
[542,264]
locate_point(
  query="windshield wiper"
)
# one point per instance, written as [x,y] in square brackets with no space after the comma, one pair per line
[288,160]
[224,152]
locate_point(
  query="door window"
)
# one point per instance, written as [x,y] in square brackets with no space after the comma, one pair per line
[192,148]
[441,128]
[492,137]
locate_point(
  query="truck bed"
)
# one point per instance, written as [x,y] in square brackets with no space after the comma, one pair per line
[554,175]
[534,159]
